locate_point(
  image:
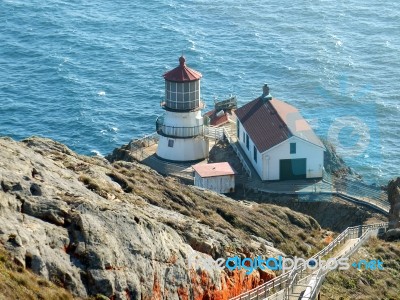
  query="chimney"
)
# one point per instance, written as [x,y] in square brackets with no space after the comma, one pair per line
[266,96]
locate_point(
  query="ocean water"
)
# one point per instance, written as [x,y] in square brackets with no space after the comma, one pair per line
[89,73]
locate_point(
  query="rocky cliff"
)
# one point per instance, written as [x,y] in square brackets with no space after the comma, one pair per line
[124,231]
[393,189]
[394,199]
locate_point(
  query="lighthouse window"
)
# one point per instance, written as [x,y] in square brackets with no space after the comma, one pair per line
[247,142]
[180,88]
[180,97]
[186,87]
[255,153]
[173,96]
[171,143]
[173,86]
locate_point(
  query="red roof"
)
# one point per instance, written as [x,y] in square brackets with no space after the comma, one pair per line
[215,169]
[215,120]
[182,73]
[270,122]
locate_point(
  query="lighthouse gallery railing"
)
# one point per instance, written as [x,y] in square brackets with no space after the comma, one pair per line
[178,132]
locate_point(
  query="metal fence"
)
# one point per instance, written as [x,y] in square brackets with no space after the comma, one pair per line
[225,104]
[138,151]
[216,133]
[178,132]
[146,141]
[359,192]
[238,153]
[282,286]
[363,233]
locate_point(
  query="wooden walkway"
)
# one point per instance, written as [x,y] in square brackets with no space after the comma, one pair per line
[305,285]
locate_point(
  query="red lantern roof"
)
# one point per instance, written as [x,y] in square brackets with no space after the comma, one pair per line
[182,73]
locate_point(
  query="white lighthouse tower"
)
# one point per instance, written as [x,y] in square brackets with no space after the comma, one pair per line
[181,128]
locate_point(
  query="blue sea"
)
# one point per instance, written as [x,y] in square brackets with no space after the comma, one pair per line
[89,73]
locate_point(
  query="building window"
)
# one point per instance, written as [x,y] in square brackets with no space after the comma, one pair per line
[238,129]
[292,148]
[244,137]
[171,143]
[247,142]
[255,153]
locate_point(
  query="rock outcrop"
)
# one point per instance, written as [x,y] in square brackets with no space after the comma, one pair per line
[334,164]
[393,190]
[124,231]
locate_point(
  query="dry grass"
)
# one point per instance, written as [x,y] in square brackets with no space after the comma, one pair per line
[367,284]
[292,232]
[17,283]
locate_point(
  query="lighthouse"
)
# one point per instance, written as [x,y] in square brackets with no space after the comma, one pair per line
[181,128]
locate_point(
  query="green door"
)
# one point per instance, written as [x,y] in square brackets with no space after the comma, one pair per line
[290,169]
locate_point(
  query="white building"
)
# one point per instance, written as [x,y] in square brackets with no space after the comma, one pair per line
[218,177]
[181,128]
[278,141]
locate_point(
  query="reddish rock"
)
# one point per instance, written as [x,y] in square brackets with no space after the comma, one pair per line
[156,289]
[232,284]
[183,293]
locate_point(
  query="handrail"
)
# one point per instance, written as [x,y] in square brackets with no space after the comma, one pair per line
[238,153]
[356,188]
[225,104]
[145,141]
[137,148]
[213,132]
[359,192]
[178,131]
[323,271]
[186,106]
[360,231]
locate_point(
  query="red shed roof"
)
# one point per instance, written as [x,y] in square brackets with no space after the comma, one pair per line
[215,169]
[215,120]
[182,73]
[270,122]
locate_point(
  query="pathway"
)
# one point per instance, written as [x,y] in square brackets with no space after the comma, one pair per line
[300,284]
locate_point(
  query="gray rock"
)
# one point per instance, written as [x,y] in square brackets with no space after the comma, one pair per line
[392,234]
[394,200]
[57,218]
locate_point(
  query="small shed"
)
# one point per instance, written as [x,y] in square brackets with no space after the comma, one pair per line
[218,177]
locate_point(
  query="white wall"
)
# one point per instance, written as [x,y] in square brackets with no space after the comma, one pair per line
[267,165]
[184,149]
[313,154]
[257,165]
[189,149]
[186,119]
[220,184]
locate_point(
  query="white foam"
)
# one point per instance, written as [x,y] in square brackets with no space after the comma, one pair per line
[96,153]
